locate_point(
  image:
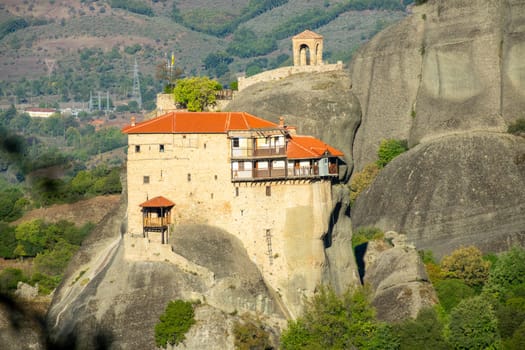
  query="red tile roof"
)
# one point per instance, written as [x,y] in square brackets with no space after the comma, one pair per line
[158,202]
[302,147]
[199,122]
[308,34]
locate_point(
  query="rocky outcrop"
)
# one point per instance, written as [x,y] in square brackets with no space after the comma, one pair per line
[447,79]
[452,66]
[397,276]
[117,299]
[453,191]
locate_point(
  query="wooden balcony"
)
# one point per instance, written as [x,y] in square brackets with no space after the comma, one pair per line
[250,153]
[156,222]
[296,172]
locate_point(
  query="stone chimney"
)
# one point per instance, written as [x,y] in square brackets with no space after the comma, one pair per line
[133,121]
[281,122]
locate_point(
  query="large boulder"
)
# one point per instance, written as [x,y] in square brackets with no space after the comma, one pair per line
[452,66]
[456,190]
[113,297]
[397,276]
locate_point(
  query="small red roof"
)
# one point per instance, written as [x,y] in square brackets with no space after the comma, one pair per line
[199,122]
[157,202]
[302,147]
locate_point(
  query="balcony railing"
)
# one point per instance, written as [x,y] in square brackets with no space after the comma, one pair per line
[156,222]
[281,173]
[241,153]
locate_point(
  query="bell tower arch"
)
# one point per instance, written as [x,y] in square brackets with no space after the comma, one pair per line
[307,49]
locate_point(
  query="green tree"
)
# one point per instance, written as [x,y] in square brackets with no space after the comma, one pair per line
[467,264]
[53,262]
[196,93]
[473,325]
[508,275]
[8,241]
[451,291]
[82,182]
[174,323]
[9,279]
[389,149]
[332,322]
[31,238]
[517,342]
[425,332]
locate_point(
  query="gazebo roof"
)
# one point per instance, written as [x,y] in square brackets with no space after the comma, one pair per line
[157,202]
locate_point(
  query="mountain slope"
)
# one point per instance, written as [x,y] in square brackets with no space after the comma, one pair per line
[74,47]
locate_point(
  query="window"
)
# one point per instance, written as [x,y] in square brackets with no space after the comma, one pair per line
[235,142]
[268,191]
[236,191]
[161,148]
[189,177]
[145,180]
[137,148]
[216,177]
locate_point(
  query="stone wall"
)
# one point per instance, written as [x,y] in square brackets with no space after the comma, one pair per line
[165,104]
[281,230]
[283,72]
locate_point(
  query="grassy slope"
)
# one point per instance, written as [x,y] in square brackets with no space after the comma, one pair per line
[23,53]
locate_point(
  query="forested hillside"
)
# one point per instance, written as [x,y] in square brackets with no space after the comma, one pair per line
[61,51]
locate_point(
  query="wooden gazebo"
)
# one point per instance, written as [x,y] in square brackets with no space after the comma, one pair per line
[156,217]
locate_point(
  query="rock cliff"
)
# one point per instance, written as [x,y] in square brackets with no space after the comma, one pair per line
[448,80]
[456,190]
[452,66]
[116,300]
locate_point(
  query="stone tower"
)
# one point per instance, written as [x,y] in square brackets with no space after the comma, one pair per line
[307,49]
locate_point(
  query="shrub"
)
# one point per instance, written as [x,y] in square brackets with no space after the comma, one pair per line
[53,262]
[451,291]
[46,284]
[250,334]
[425,332]
[389,149]
[365,234]
[362,180]
[9,279]
[517,342]
[473,325]
[510,316]
[466,263]
[174,323]
[508,275]
[332,322]
[7,241]
[517,127]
